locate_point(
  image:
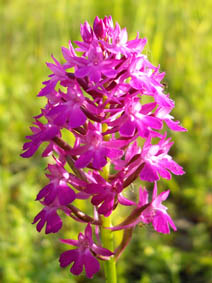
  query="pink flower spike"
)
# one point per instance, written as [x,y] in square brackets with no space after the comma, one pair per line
[103,127]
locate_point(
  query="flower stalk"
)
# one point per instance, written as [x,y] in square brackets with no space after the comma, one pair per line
[108,243]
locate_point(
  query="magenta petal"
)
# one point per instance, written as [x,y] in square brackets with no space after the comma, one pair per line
[57,110]
[115,153]
[160,225]
[77,267]
[68,257]
[61,119]
[99,159]
[27,145]
[97,199]
[163,172]
[48,88]
[171,223]
[47,150]
[101,251]
[28,153]
[91,264]
[66,195]
[82,72]
[41,217]
[172,166]
[136,83]
[132,150]
[146,108]
[152,122]
[95,76]
[175,125]
[109,73]
[161,222]
[116,143]
[148,173]
[79,150]
[55,69]
[107,206]
[163,100]
[66,54]
[88,232]
[40,224]
[124,201]
[44,191]
[93,188]
[50,133]
[84,159]
[77,118]
[70,242]
[143,196]
[50,196]
[162,196]
[82,195]
[54,223]
[128,129]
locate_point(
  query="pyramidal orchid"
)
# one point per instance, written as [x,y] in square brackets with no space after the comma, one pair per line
[111,100]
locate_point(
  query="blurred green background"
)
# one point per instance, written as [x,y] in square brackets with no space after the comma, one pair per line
[180,39]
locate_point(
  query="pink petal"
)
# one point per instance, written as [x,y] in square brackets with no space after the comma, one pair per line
[54,223]
[88,232]
[91,264]
[128,129]
[124,201]
[101,251]
[77,117]
[148,173]
[66,195]
[82,72]
[77,267]
[70,242]
[68,257]
[84,159]
[152,122]
[99,159]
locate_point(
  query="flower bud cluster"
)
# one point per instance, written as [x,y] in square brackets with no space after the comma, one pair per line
[112,100]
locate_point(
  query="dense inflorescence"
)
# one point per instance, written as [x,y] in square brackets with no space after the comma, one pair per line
[109,97]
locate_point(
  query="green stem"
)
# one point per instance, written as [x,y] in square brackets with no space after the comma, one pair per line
[107,241]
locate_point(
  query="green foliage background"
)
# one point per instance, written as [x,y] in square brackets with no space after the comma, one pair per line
[180,39]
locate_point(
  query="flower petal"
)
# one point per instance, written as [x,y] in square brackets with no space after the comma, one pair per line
[91,264]
[68,257]
[148,173]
